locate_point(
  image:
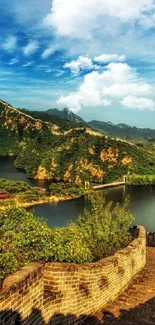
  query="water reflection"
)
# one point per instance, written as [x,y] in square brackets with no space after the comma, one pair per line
[8,171]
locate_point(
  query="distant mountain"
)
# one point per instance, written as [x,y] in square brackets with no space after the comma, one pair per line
[66,114]
[123,131]
[45,116]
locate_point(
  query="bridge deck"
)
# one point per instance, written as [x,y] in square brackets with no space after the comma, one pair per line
[102,186]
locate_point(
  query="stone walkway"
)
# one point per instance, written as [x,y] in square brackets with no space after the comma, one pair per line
[136,305]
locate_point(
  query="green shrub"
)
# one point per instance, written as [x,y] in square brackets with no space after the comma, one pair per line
[70,246]
[66,189]
[104,227]
[25,239]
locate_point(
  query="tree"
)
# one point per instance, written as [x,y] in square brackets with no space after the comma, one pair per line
[105,227]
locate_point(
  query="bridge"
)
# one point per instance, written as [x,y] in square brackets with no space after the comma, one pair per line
[109,185]
[104,186]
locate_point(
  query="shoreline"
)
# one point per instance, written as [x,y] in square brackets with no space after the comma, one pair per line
[51,199]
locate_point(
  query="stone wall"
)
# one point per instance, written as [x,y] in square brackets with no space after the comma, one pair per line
[59,293]
[150,239]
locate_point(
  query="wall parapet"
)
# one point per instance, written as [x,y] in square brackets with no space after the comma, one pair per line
[40,292]
[150,239]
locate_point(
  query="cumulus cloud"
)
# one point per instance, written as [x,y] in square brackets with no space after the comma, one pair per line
[115,83]
[31,48]
[82,63]
[10,43]
[85,63]
[140,103]
[106,58]
[79,19]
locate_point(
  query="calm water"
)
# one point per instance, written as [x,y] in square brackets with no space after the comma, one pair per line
[142,200]
[8,171]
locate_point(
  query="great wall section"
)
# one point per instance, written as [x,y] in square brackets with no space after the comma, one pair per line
[71,294]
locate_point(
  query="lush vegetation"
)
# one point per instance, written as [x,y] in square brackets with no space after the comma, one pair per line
[66,190]
[141,180]
[47,116]
[100,231]
[78,155]
[20,192]
[14,186]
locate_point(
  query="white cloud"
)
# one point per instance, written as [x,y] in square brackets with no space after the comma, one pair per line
[28,64]
[10,43]
[48,71]
[48,52]
[79,19]
[106,58]
[116,82]
[82,63]
[13,61]
[31,48]
[141,103]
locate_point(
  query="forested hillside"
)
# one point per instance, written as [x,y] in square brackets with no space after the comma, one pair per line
[17,129]
[59,120]
[77,155]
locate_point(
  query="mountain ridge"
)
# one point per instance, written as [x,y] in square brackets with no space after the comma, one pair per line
[66,114]
[72,120]
[123,130]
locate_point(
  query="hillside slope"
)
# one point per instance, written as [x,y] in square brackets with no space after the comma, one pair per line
[76,155]
[80,156]
[17,129]
[46,116]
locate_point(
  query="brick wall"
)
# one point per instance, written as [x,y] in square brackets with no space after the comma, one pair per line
[58,293]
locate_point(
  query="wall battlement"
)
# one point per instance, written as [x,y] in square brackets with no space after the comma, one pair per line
[58,293]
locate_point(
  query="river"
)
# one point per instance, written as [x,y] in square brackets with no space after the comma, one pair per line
[142,200]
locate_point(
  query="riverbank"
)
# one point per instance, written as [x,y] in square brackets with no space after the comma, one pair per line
[47,199]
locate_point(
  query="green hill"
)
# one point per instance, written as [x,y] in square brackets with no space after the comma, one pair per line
[46,151]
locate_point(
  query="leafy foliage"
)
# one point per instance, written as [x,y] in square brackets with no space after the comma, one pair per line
[141,180]
[105,227]
[98,233]
[66,189]
[14,186]
[23,238]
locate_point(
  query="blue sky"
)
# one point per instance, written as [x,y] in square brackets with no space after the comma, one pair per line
[96,57]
